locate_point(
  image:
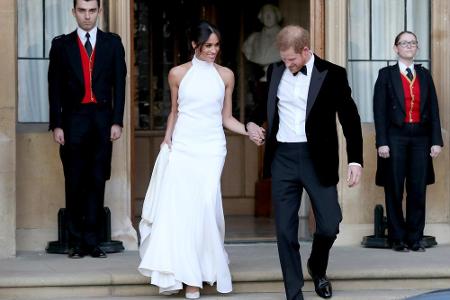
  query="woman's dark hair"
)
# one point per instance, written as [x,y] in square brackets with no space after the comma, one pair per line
[200,33]
[397,38]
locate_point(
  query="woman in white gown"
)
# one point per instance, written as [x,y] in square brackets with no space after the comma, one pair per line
[182,227]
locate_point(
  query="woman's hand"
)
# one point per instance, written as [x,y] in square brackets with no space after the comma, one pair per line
[256,133]
[167,141]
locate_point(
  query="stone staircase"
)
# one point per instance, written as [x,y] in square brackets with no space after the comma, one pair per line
[356,273]
[339,295]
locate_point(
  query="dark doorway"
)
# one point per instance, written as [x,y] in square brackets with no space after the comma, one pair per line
[160,42]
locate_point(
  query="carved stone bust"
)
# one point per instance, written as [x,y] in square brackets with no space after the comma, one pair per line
[260,47]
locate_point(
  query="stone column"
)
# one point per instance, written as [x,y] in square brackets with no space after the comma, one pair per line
[438,194]
[8,94]
[357,203]
[118,189]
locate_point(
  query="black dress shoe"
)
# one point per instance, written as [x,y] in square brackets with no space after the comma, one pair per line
[76,252]
[321,284]
[399,246]
[417,247]
[97,252]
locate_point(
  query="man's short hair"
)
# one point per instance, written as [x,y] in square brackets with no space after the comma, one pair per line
[75,2]
[293,36]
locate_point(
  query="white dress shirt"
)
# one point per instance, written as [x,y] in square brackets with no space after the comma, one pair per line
[92,36]
[403,68]
[293,96]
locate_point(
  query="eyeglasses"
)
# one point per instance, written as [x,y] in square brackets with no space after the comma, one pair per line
[404,44]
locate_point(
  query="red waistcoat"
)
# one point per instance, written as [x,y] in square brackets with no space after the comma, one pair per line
[87,66]
[411,89]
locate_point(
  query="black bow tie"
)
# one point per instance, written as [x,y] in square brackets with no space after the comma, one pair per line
[303,70]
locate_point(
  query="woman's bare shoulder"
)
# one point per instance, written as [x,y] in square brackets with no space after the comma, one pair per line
[177,73]
[226,74]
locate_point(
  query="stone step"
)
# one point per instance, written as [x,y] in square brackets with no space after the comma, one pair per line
[338,295]
[255,271]
[260,291]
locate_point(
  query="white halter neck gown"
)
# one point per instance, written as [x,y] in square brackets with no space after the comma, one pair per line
[183,241]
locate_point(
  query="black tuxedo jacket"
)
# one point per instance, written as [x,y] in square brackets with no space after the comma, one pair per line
[329,94]
[65,76]
[389,110]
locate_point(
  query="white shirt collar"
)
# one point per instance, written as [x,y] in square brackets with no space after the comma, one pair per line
[310,64]
[92,35]
[403,67]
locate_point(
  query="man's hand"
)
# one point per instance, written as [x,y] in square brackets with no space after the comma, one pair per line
[58,136]
[383,151]
[256,133]
[435,150]
[116,132]
[353,175]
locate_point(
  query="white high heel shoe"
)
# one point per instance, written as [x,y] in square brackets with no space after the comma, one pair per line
[168,293]
[193,295]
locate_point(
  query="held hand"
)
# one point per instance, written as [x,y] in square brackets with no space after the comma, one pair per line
[58,136]
[353,175]
[383,151]
[116,132]
[435,150]
[256,133]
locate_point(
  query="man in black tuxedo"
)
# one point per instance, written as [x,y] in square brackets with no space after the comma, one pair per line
[305,94]
[87,93]
[408,136]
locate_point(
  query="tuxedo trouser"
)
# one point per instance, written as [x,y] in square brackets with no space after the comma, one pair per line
[293,170]
[407,165]
[86,158]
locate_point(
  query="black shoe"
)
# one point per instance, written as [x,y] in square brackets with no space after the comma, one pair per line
[76,252]
[321,284]
[97,252]
[399,246]
[417,247]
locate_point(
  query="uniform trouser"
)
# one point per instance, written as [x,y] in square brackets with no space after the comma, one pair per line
[409,157]
[86,158]
[293,170]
